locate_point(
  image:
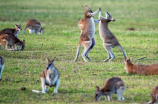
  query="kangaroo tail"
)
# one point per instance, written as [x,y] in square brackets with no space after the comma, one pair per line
[78,50]
[124,54]
[24,29]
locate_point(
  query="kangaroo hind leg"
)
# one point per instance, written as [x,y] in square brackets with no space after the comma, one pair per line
[56,86]
[111,56]
[93,44]
[86,45]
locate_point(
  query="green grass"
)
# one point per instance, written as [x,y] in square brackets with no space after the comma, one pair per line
[78,79]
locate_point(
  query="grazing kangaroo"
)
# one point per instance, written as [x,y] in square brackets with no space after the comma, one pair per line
[34,26]
[49,77]
[109,40]
[154,95]
[87,34]
[114,85]
[140,69]
[1,65]
[7,39]
[12,31]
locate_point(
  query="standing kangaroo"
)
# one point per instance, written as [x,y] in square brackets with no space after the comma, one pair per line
[114,85]
[154,95]
[49,77]
[87,34]
[140,69]
[12,31]
[34,26]
[1,65]
[7,39]
[109,40]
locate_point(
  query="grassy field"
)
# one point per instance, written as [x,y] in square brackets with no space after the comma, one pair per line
[78,79]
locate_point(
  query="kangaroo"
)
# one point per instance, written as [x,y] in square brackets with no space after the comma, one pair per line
[81,24]
[109,40]
[87,34]
[154,95]
[34,26]
[12,31]
[114,85]
[1,65]
[140,69]
[49,77]
[7,39]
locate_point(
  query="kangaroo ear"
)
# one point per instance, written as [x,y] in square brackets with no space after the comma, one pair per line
[125,59]
[47,60]
[53,59]
[97,89]
[130,58]
[15,25]
[86,7]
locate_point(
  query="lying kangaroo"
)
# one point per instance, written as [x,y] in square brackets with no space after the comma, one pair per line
[1,65]
[87,34]
[154,95]
[12,31]
[140,69]
[7,39]
[49,77]
[114,85]
[109,40]
[34,26]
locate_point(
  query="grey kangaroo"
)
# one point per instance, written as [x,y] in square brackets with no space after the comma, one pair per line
[87,34]
[49,77]
[114,85]
[1,65]
[109,40]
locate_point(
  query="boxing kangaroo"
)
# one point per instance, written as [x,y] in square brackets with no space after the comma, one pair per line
[109,40]
[49,77]
[114,85]
[87,34]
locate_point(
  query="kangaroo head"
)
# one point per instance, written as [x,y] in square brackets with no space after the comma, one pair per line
[88,9]
[18,27]
[109,17]
[98,93]
[128,60]
[42,31]
[50,63]
[22,45]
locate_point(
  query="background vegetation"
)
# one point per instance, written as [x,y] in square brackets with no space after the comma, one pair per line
[78,79]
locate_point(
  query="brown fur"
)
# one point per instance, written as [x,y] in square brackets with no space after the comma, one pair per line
[110,87]
[10,40]
[33,24]
[87,33]
[108,38]
[140,69]
[154,95]
[14,31]
[81,24]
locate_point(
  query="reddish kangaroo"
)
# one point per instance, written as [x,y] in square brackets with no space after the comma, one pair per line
[12,31]
[114,85]
[154,95]
[34,26]
[87,34]
[140,69]
[10,40]
[109,40]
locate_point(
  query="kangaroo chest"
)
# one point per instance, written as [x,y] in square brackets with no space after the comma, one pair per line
[104,32]
[89,27]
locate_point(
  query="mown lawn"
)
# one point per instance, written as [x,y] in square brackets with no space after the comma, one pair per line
[78,79]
